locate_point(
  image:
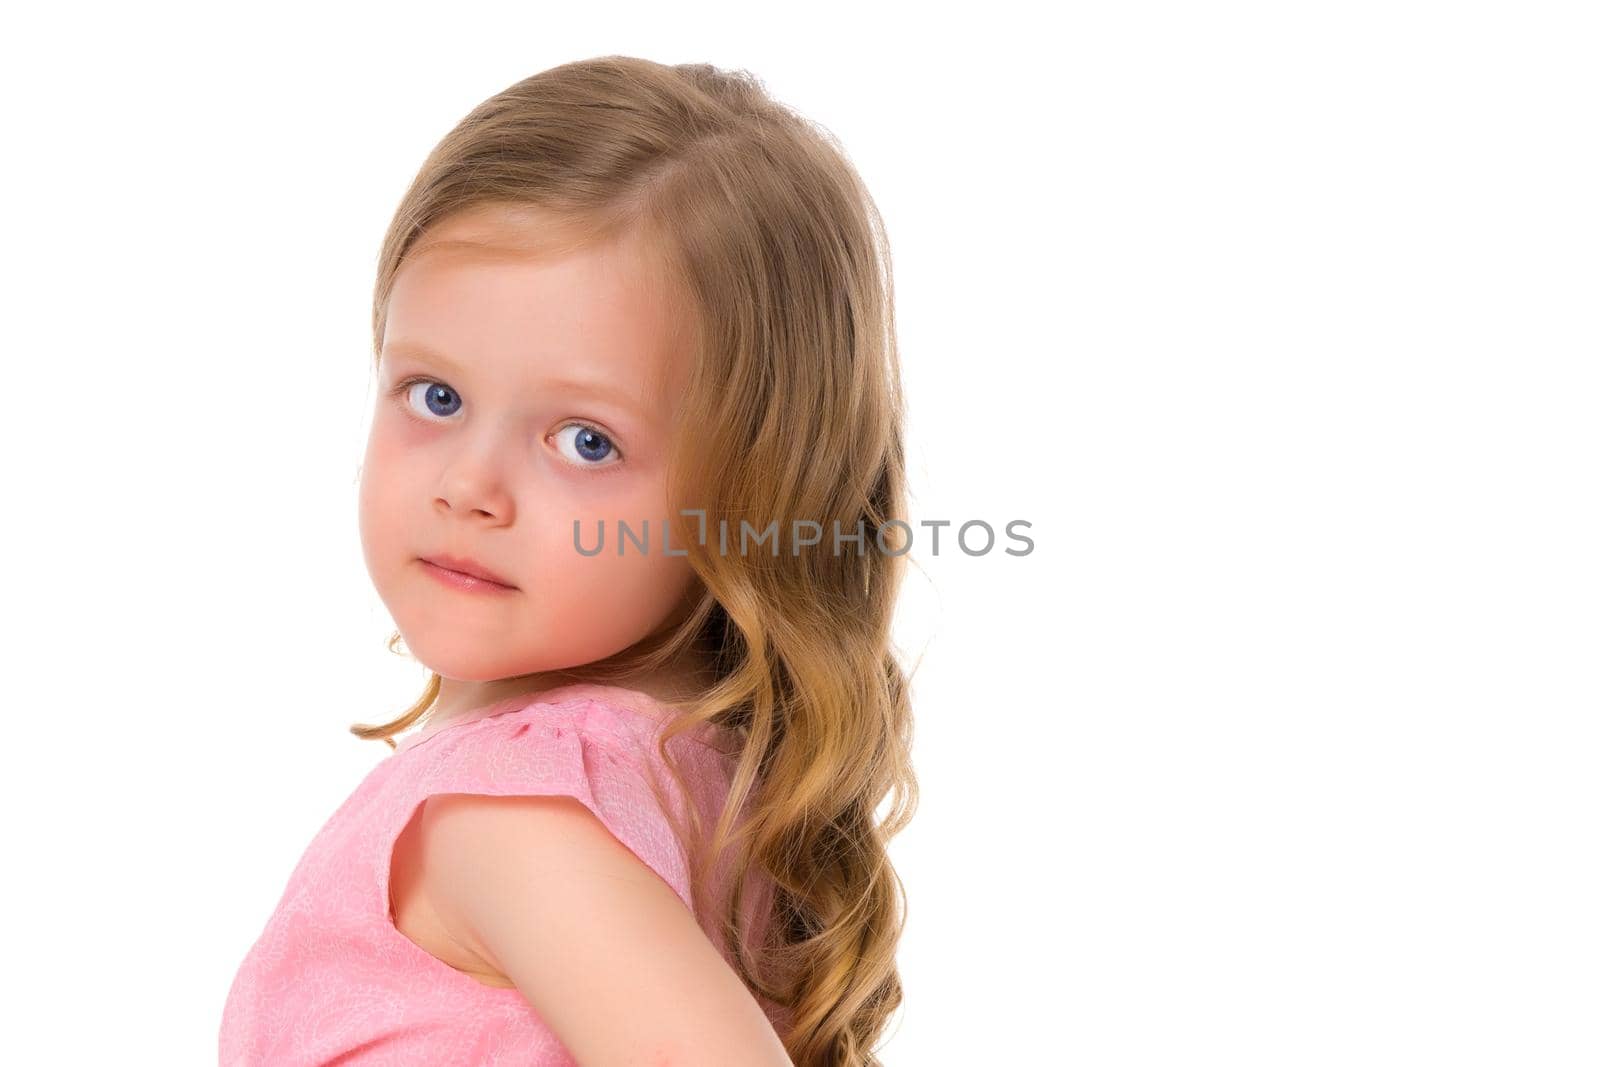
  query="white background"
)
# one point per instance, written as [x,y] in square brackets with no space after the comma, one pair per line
[1277,321]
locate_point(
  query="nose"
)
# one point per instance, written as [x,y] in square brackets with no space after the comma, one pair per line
[474,485]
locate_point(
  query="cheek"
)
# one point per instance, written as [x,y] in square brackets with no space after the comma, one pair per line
[606,601]
[378,489]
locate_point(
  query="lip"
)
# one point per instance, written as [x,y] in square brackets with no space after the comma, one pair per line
[464,572]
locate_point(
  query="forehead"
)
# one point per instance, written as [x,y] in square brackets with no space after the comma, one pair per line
[517,289]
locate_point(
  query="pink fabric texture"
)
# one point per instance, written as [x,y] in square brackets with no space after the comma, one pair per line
[330,979]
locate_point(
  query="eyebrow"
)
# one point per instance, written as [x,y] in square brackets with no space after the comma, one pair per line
[595,388]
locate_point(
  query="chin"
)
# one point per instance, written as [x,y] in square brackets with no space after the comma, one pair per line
[452,661]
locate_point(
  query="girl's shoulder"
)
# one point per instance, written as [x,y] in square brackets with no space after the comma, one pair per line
[348,917]
[594,744]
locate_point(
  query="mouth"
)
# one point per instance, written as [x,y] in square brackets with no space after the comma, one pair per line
[464,573]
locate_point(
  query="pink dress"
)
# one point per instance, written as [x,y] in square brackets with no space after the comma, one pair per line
[331,979]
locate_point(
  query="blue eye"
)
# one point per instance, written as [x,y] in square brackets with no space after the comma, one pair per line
[589,446]
[440,399]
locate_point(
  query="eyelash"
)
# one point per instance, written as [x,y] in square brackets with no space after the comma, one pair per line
[399,390]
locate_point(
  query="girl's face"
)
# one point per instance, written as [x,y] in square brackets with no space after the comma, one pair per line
[516,395]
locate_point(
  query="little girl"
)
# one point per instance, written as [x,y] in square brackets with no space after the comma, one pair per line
[634,336]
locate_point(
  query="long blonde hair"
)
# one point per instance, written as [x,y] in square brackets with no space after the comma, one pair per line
[767,232]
